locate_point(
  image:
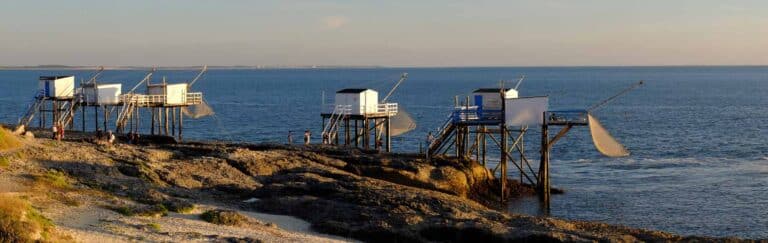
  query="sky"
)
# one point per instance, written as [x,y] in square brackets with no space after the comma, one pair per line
[384,33]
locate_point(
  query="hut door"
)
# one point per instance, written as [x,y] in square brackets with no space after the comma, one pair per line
[479,104]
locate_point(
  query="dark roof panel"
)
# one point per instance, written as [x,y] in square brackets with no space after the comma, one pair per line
[351,91]
[44,78]
[490,90]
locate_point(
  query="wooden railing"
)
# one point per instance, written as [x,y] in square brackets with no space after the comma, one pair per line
[153,100]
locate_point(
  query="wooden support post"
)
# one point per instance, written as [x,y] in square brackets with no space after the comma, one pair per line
[104,108]
[357,135]
[366,133]
[346,131]
[109,114]
[96,118]
[465,143]
[54,113]
[503,129]
[389,134]
[82,119]
[376,135]
[41,118]
[173,122]
[521,149]
[181,125]
[477,144]
[543,183]
[166,120]
[154,120]
[457,140]
[138,120]
[336,134]
[484,143]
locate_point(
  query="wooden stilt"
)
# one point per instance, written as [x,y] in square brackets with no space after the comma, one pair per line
[389,135]
[96,118]
[521,149]
[181,125]
[357,135]
[366,133]
[154,120]
[503,130]
[173,121]
[166,121]
[376,135]
[543,183]
[484,143]
[41,119]
[346,132]
[138,120]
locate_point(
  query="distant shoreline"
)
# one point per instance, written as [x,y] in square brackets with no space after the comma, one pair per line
[240,67]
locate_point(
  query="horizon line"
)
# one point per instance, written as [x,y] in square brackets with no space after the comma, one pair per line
[246,67]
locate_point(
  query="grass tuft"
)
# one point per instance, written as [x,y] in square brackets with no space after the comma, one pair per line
[154,226]
[4,162]
[54,178]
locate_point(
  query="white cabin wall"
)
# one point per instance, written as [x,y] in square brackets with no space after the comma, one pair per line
[176,94]
[64,87]
[370,100]
[59,88]
[109,94]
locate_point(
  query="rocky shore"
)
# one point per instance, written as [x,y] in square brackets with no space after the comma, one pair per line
[343,194]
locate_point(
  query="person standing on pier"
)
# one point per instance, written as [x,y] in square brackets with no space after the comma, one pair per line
[325,137]
[55,132]
[61,131]
[110,137]
[307,136]
[290,137]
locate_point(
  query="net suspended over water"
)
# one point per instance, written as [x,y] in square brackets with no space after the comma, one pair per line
[604,142]
[401,123]
[198,111]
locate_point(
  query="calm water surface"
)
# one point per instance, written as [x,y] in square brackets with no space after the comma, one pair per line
[699,161]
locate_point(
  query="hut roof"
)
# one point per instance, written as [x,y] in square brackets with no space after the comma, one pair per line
[351,91]
[490,90]
[44,78]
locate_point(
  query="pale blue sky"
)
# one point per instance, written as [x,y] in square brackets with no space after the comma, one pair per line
[390,33]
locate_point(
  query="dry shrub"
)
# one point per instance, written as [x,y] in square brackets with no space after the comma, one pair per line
[224,217]
[8,141]
[19,222]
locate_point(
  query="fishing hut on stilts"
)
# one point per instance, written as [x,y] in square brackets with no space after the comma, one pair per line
[59,100]
[54,99]
[358,116]
[166,104]
[497,116]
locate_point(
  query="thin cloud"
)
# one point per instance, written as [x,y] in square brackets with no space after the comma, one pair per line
[335,22]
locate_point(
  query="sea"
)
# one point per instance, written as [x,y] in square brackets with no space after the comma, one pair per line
[697,134]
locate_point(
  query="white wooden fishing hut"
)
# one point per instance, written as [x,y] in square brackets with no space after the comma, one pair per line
[104,96]
[358,113]
[164,101]
[53,96]
[57,95]
[504,115]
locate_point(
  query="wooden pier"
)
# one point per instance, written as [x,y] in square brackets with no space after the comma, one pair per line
[162,101]
[358,129]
